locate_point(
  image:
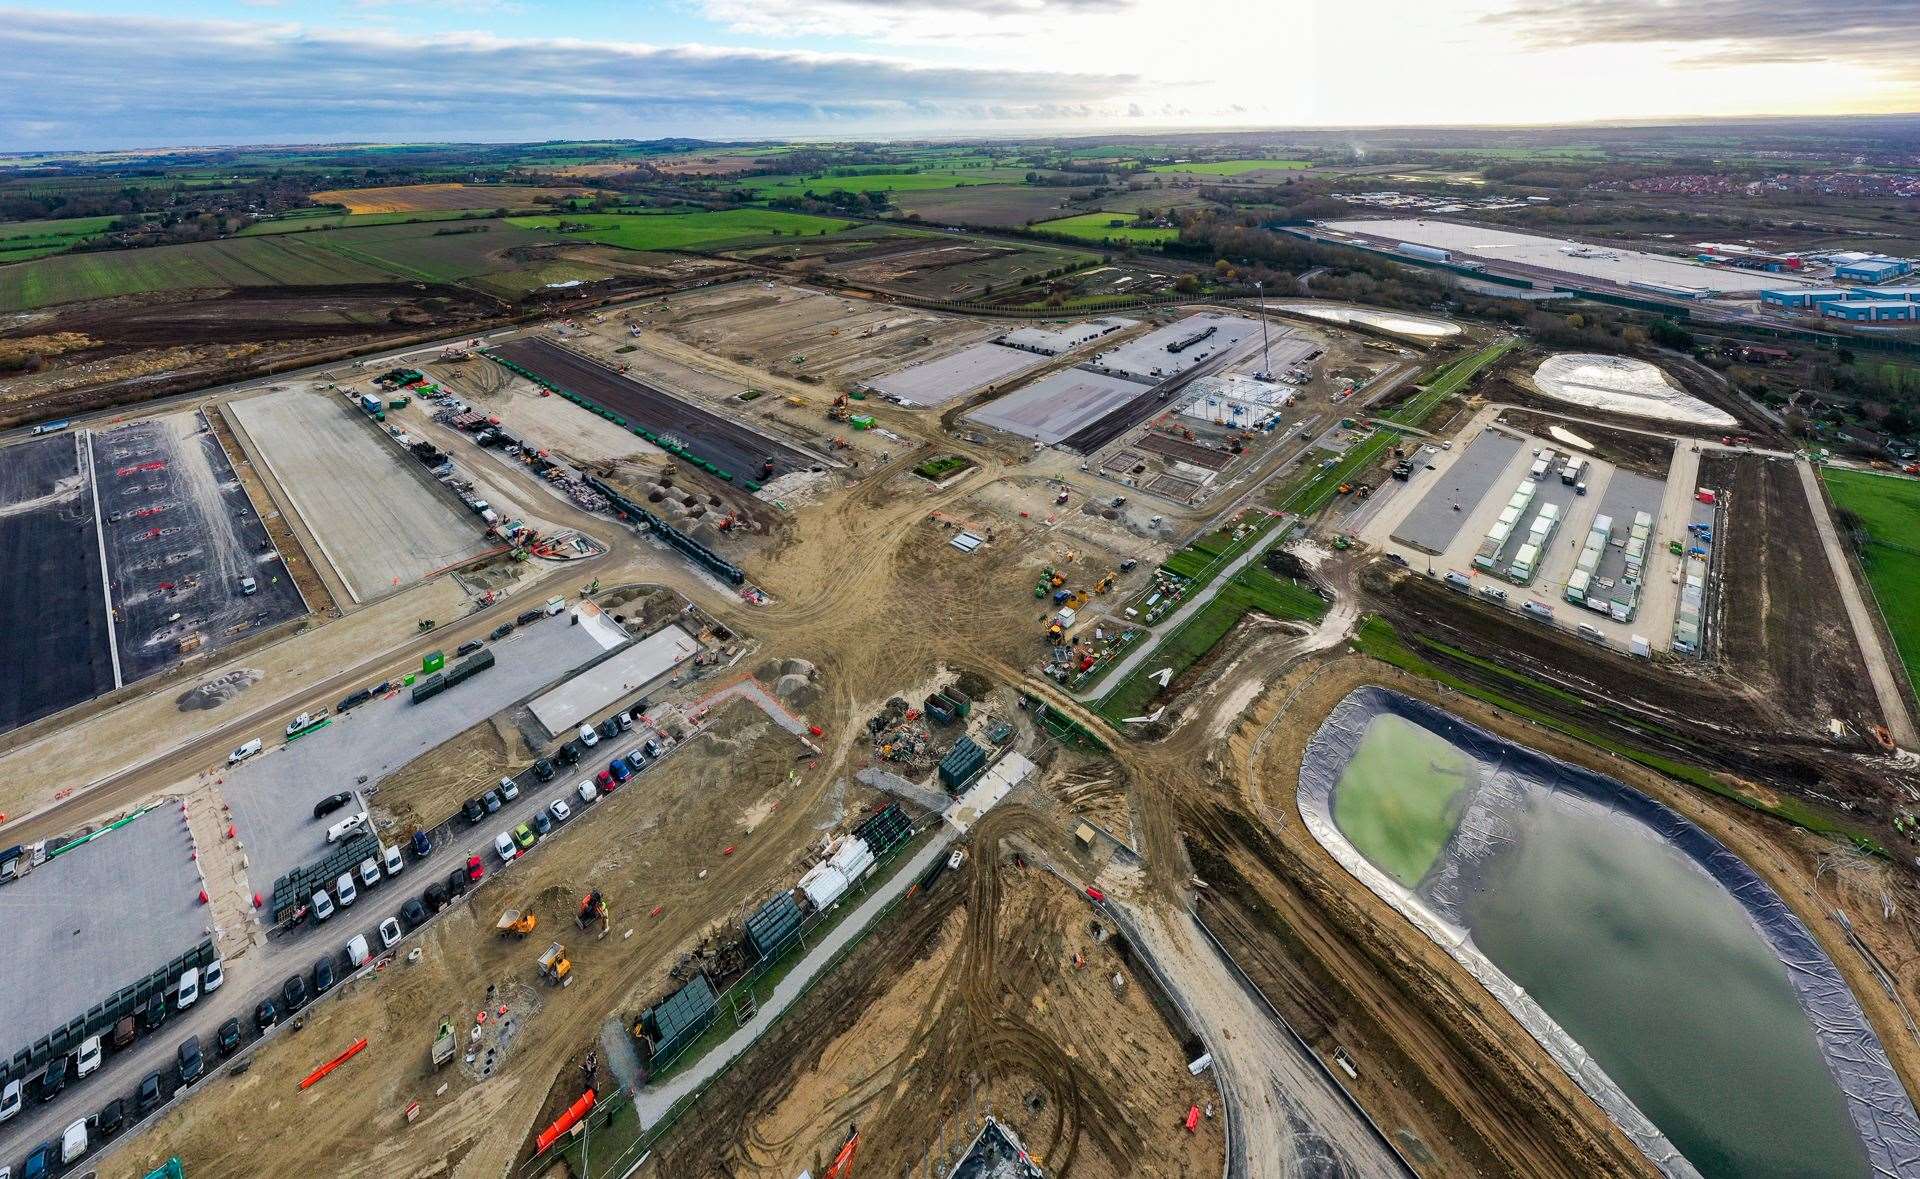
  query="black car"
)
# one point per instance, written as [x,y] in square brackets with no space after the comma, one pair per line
[529,616]
[474,810]
[541,824]
[501,631]
[294,993]
[413,914]
[54,1078]
[150,1094]
[492,800]
[355,700]
[457,882]
[156,1013]
[571,752]
[108,1121]
[323,977]
[610,727]
[437,897]
[227,1039]
[544,770]
[330,804]
[265,1015]
[468,647]
[192,1064]
[422,845]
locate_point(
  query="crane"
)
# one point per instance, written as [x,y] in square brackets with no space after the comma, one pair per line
[842,1167]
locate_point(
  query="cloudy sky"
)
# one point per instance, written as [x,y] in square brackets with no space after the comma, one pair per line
[112,73]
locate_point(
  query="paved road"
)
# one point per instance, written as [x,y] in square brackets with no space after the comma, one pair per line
[1893,705]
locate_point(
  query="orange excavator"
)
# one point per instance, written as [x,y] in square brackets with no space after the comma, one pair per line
[842,1167]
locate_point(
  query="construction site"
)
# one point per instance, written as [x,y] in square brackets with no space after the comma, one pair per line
[756,730]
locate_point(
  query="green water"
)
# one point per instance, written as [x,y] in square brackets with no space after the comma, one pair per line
[1400,797]
[1647,962]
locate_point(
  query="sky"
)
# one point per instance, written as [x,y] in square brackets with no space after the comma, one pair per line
[104,74]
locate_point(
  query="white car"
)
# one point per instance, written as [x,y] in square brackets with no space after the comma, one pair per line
[588,792]
[344,891]
[89,1057]
[245,751]
[212,976]
[322,905]
[503,846]
[560,811]
[389,933]
[189,989]
[357,952]
[391,857]
[509,789]
[589,736]
[369,872]
[9,1100]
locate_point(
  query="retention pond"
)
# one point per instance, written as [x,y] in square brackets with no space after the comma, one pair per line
[1660,971]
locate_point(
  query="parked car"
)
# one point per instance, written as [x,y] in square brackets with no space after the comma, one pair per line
[422,845]
[620,770]
[369,872]
[501,631]
[604,779]
[438,896]
[192,1064]
[148,1097]
[10,1100]
[330,804]
[528,616]
[344,891]
[509,789]
[88,1058]
[571,753]
[53,1078]
[524,837]
[73,1142]
[544,770]
[542,825]
[111,1117]
[40,1163]
[322,905]
[413,914]
[245,751]
[358,951]
[189,992]
[293,993]
[492,800]
[390,857]
[213,976]
[475,869]
[560,811]
[610,727]
[323,976]
[474,810]
[588,737]
[389,933]
[503,847]
[624,721]
[265,1015]
[156,1013]
[587,792]
[123,1032]
[227,1039]
[468,647]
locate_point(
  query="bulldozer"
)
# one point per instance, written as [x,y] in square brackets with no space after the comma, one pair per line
[514,923]
[555,966]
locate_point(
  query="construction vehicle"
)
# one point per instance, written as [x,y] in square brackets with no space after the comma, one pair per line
[514,923]
[797,401]
[555,966]
[593,907]
[444,1044]
[840,410]
[842,1167]
[1105,583]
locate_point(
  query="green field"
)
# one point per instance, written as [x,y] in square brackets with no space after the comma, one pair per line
[23,240]
[1889,509]
[769,187]
[303,220]
[687,231]
[1095,227]
[1233,167]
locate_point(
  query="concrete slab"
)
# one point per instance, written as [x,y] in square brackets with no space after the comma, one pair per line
[380,519]
[94,919]
[272,796]
[1147,356]
[632,671]
[1058,405]
[1455,492]
[936,382]
[1052,341]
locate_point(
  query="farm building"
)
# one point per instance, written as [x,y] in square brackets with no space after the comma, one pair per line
[1870,310]
[1798,298]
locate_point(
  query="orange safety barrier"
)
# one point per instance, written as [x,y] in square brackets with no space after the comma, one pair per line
[357,1047]
[565,1121]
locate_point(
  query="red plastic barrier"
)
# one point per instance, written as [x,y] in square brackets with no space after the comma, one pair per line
[564,1122]
[357,1047]
[1193,1118]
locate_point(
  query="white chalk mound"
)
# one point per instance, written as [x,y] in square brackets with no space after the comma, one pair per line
[1618,384]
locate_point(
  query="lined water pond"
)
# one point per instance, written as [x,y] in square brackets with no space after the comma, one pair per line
[1645,959]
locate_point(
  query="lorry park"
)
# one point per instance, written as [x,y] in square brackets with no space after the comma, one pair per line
[662,736]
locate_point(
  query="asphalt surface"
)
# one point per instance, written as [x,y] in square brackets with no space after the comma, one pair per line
[723,442]
[263,972]
[180,536]
[54,640]
[1452,495]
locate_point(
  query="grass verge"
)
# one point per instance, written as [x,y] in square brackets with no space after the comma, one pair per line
[1888,510]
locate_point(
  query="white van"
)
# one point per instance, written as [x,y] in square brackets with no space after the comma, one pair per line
[244,752]
[1592,634]
[189,989]
[357,950]
[73,1142]
[345,827]
[390,856]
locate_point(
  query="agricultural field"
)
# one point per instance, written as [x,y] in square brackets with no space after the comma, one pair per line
[413,198]
[21,241]
[769,187]
[1099,227]
[686,231]
[303,220]
[996,206]
[1233,167]
[1888,514]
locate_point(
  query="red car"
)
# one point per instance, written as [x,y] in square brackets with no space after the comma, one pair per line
[604,780]
[475,869]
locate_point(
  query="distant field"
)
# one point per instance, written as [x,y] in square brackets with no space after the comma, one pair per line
[22,240]
[1889,509]
[768,187]
[1233,167]
[413,198]
[305,219]
[996,205]
[686,231]
[1096,227]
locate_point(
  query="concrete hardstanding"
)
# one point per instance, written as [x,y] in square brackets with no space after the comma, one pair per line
[379,518]
[1058,405]
[937,382]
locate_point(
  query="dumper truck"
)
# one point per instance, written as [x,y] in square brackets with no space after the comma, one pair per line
[555,967]
[514,923]
[444,1045]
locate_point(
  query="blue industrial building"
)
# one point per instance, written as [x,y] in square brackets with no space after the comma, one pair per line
[1802,297]
[1870,310]
[1873,270]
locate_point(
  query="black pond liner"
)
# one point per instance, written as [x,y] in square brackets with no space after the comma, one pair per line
[1882,1113]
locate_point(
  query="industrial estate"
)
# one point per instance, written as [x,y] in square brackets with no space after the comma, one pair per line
[1198,655]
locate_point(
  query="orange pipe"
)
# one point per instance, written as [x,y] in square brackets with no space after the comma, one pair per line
[352,1051]
[565,1121]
